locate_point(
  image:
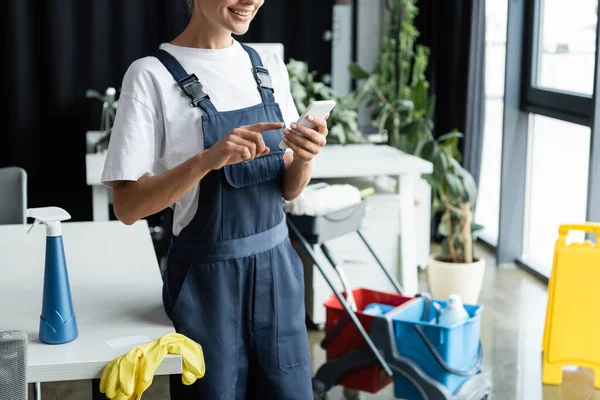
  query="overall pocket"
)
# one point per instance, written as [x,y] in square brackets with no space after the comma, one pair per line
[292,337]
[259,170]
[252,199]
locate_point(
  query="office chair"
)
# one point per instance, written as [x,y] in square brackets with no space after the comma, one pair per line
[13,365]
[13,196]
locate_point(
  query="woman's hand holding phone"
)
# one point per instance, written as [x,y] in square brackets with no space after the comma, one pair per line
[306,142]
[242,144]
[310,131]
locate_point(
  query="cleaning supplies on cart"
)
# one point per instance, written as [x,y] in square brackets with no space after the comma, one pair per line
[323,198]
[377,309]
[58,324]
[131,374]
[454,313]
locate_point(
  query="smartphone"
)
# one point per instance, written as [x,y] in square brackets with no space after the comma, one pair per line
[318,109]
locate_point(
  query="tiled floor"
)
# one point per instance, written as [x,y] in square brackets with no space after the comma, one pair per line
[512,327]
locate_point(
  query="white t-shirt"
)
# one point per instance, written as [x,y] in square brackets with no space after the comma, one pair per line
[156,128]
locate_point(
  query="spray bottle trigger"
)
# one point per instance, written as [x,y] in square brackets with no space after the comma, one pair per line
[36,222]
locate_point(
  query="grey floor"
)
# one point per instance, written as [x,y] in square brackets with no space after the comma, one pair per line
[512,328]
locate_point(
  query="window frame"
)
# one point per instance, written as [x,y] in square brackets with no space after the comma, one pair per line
[567,106]
[521,99]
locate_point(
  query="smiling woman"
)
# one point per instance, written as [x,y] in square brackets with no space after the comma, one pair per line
[231,15]
[198,130]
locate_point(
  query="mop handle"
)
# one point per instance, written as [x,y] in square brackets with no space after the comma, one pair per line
[385,271]
[342,276]
[343,302]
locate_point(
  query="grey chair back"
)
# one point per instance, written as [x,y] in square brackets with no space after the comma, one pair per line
[13,365]
[13,196]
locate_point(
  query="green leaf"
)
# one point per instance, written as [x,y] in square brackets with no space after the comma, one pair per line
[337,134]
[454,184]
[357,72]
[371,82]
[383,117]
[450,135]
[440,164]
[429,151]
[433,181]
[476,227]
[419,96]
[470,186]
[456,167]
[443,226]
[378,112]
[476,230]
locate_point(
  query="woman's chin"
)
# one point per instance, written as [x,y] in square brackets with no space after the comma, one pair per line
[239,29]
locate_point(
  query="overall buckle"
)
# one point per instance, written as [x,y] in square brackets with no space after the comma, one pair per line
[263,78]
[193,88]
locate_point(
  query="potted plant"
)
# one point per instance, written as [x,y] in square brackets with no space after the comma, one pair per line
[456,269]
[343,121]
[397,90]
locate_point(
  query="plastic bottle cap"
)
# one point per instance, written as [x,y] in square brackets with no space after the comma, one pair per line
[454,300]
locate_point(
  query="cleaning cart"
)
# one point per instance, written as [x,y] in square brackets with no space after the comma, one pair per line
[373,339]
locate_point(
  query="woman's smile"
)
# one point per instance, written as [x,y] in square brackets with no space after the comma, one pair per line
[243,13]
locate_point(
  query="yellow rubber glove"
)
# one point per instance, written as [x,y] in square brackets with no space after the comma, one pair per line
[192,358]
[119,377]
[129,375]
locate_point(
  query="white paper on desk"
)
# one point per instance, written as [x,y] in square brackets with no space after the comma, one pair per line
[127,341]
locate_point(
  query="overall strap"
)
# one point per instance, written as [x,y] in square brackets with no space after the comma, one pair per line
[189,83]
[261,74]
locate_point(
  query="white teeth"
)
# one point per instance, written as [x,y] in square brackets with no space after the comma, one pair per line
[242,13]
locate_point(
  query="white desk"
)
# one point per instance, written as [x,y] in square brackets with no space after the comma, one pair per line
[355,160]
[344,161]
[116,290]
[367,160]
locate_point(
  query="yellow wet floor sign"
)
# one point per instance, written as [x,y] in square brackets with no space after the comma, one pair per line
[572,329]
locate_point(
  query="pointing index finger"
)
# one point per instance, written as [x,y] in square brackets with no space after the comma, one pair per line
[265,126]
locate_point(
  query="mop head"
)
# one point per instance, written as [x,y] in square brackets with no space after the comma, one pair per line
[322,198]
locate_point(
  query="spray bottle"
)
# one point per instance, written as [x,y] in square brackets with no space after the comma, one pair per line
[57,321]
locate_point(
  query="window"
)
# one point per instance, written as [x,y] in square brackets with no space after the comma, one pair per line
[489,182]
[566,45]
[560,53]
[551,130]
[557,183]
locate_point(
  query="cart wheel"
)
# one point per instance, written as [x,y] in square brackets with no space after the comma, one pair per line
[351,394]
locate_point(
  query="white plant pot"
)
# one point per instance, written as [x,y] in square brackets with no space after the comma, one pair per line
[446,278]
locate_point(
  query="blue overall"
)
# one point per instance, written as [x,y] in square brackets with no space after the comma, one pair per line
[234,283]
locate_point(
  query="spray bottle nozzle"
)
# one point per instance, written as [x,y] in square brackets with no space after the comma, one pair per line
[50,216]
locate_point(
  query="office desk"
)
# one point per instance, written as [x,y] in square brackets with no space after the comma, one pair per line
[116,289]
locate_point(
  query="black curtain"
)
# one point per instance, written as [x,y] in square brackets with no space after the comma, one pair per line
[455,32]
[475,115]
[55,50]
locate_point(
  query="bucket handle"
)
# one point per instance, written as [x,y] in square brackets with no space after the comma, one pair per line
[473,371]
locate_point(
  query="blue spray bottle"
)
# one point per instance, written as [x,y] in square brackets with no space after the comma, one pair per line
[57,321]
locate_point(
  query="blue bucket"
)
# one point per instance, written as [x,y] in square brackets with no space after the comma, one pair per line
[457,346]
